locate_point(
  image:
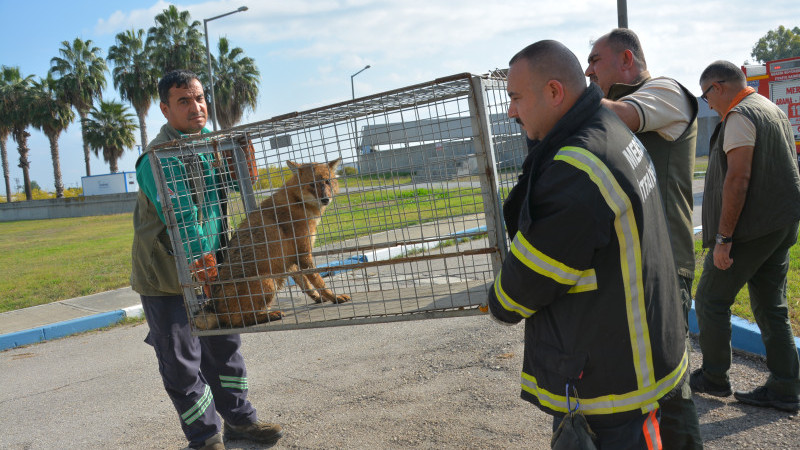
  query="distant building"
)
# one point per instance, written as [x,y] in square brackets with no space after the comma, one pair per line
[707,120]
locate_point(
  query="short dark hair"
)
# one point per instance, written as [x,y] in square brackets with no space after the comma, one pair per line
[723,71]
[621,39]
[177,78]
[554,61]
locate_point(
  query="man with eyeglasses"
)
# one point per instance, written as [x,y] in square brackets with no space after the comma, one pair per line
[751,209]
[662,113]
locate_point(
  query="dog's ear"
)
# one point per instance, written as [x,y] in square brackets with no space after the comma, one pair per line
[334,164]
[293,166]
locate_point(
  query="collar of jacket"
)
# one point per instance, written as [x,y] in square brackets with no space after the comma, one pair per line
[171,133]
[584,108]
[619,90]
[738,99]
[202,131]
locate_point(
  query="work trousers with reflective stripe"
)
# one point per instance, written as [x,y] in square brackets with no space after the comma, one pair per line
[762,264]
[641,433]
[202,375]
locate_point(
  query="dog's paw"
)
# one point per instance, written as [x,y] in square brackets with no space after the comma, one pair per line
[275,315]
[341,298]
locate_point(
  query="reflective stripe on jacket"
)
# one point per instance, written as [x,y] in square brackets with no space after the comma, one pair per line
[591,271]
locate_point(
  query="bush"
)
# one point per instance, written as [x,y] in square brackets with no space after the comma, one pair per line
[348,171]
[272,177]
[39,194]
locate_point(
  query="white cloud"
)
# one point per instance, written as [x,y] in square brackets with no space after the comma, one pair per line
[138,18]
[307,49]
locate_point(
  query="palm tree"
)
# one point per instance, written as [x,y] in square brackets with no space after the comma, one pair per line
[110,130]
[15,107]
[82,78]
[134,75]
[4,132]
[5,75]
[236,80]
[52,114]
[177,42]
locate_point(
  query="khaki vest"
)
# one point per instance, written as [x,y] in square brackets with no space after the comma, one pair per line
[674,163]
[153,271]
[773,194]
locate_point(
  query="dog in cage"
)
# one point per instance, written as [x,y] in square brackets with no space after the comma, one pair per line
[273,240]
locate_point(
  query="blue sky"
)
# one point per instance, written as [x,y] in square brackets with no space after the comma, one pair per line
[307,50]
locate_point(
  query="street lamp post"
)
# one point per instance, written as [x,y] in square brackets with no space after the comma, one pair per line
[352,87]
[208,58]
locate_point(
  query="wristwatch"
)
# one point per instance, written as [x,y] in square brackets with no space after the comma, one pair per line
[722,239]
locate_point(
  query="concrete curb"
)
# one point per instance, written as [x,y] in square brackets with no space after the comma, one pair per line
[745,336]
[68,327]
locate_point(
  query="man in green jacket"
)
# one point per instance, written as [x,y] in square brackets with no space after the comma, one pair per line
[751,208]
[203,375]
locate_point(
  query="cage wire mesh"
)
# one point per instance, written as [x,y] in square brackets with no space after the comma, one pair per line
[415,230]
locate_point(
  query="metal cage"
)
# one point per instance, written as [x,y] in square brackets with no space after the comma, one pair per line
[416,230]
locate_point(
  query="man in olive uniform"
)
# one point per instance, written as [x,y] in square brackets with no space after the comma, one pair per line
[751,208]
[663,115]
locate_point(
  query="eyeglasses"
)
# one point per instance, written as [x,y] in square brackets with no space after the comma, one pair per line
[705,93]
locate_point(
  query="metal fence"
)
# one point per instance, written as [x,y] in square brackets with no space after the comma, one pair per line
[415,230]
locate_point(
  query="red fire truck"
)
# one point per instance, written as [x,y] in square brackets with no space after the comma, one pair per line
[779,81]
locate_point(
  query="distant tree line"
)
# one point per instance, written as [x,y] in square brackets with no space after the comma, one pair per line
[77,78]
[779,43]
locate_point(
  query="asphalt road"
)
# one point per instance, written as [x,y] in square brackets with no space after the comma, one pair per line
[443,383]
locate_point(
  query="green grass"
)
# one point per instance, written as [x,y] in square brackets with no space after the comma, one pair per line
[371,212]
[741,306]
[374,180]
[701,165]
[48,260]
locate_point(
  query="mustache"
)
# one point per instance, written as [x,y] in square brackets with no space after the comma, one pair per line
[197,115]
[519,122]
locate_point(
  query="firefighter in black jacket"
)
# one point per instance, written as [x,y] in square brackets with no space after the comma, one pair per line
[590,266]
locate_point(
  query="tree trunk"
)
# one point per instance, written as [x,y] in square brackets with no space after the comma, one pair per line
[6,174]
[142,128]
[83,115]
[56,165]
[21,136]
[113,164]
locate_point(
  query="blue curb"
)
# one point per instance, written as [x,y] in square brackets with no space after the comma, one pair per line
[745,336]
[351,260]
[60,329]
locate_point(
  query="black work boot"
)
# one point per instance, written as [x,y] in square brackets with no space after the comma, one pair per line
[699,383]
[762,396]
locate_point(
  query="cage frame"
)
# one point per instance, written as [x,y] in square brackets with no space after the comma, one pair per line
[475,87]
